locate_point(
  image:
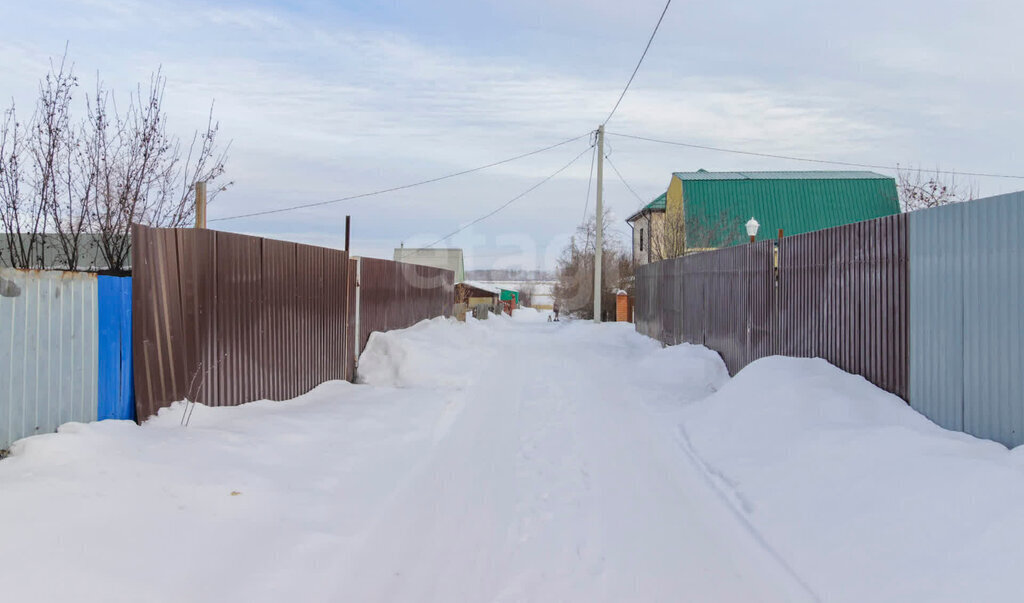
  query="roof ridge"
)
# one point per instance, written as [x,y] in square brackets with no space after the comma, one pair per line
[762,174]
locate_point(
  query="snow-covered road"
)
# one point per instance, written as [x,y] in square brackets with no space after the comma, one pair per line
[522,460]
[507,460]
[555,483]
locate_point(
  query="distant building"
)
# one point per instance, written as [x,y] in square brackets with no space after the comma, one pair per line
[474,294]
[510,295]
[448,259]
[706,210]
[47,253]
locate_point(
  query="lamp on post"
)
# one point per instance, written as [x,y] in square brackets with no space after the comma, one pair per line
[752,227]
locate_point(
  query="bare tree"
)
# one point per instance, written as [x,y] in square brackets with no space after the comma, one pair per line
[22,217]
[526,295]
[142,177]
[675,235]
[574,286]
[920,189]
[100,174]
[57,161]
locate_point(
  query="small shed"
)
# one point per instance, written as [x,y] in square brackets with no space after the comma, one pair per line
[474,294]
[510,294]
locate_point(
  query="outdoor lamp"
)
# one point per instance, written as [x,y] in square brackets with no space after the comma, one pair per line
[752,226]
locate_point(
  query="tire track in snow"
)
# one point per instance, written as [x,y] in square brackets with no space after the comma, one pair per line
[554,483]
[739,507]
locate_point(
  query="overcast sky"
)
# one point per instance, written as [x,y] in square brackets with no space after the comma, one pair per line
[328,99]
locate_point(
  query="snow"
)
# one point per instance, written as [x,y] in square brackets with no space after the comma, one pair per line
[488,287]
[516,459]
[866,498]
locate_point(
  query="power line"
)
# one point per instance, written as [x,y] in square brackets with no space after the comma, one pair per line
[640,62]
[502,206]
[590,180]
[619,174]
[399,188]
[807,159]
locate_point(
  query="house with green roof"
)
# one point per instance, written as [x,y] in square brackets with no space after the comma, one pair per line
[707,210]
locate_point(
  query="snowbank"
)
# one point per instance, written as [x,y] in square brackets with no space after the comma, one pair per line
[242,505]
[866,499]
[681,372]
[440,352]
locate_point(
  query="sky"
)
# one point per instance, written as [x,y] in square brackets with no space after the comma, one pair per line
[322,100]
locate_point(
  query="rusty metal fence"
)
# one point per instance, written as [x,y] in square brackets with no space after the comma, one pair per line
[843,297]
[223,319]
[395,295]
[839,294]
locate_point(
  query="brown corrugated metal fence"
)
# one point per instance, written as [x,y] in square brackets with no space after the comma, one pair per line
[843,297]
[350,321]
[395,295]
[224,319]
[839,294]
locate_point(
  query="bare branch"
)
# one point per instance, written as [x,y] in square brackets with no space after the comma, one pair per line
[574,288]
[673,235]
[919,189]
[103,174]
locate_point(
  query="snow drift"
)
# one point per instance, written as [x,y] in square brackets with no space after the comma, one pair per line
[867,499]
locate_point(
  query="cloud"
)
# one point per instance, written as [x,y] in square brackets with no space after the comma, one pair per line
[324,101]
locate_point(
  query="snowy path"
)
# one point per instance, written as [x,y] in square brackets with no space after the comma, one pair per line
[518,461]
[556,484]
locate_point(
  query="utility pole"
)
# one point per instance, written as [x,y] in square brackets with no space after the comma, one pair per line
[348,230]
[599,237]
[200,204]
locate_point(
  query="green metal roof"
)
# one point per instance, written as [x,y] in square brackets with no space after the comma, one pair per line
[796,175]
[657,205]
[796,202]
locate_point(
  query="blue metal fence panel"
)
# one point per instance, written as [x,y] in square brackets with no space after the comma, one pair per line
[48,361]
[116,393]
[994,318]
[937,314]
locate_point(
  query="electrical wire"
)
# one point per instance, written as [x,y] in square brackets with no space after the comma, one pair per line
[806,159]
[640,62]
[590,180]
[500,207]
[619,174]
[398,188]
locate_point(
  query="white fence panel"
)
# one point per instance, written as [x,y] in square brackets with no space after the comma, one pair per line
[48,351]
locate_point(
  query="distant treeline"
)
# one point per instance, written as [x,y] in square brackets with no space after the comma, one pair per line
[513,274]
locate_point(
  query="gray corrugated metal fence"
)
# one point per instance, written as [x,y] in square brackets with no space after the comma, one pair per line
[937,314]
[48,351]
[967,334]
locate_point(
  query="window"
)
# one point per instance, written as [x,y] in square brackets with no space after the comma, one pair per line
[641,240]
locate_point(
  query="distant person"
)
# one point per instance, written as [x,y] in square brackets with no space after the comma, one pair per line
[555,309]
